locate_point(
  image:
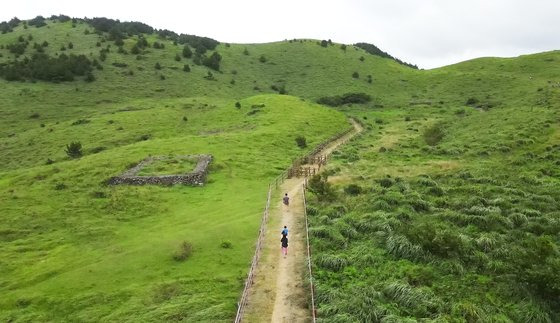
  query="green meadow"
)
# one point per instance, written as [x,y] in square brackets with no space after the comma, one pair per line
[444,210]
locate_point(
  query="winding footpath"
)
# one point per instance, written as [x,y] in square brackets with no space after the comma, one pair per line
[280,289]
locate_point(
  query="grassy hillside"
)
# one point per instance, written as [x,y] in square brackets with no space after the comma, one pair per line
[75,249]
[446,209]
[446,215]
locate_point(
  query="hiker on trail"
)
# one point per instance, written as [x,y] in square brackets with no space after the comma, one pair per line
[285,231]
[284,241]
[286,199]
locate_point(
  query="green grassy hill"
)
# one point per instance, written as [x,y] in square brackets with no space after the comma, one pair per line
[468,149]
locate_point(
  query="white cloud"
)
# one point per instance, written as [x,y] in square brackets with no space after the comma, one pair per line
[429,33]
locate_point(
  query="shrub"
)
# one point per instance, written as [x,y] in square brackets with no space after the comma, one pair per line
[213,61]
[353,189]
[338,100]
[183,252]
[186,68]
[245,51]
[386,182]
[177,57]
[157,66]
[187,52]
[319,185]
[74,149]
[226,244]
[301,141]
[324,43]
[356,75]
[471,101]
[434,134]
[262,59]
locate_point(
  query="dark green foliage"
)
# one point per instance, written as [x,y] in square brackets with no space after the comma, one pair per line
[338,100]
[281,89]
[213,61]
[183,252]
[74,149]
[226,245]
[246,51]
[157,66]
[80,122]
[434,134]
[119,29]
[6,27]
[320,186]
[17,48]
[187,52]
[301,141]
[262,59]
[186,68]
[355,75]
[45,68]
[324,43]
[177,57]
[343,47]
[353,189]
[238,105]
[374,50]
[38,22]
[70,45]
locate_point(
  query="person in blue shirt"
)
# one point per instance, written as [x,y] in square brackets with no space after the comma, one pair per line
[285,231]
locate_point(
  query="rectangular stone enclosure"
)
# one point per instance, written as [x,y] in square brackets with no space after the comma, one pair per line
[196,177]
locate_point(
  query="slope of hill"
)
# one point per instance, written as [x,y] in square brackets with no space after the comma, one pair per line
[470,149]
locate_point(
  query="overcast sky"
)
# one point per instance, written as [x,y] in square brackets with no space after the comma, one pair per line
[429,33]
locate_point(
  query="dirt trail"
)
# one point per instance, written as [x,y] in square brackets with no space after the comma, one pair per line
[280,289]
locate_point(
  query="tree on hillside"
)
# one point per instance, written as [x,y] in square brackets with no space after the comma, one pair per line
[187,52]
[213,61]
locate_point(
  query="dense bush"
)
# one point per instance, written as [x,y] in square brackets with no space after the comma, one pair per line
[45,68]
[213,61]
[74,149]
[183,252]
[38,22]
[338,100]
[187,52]
[301,141]
[374,50]
[434,134]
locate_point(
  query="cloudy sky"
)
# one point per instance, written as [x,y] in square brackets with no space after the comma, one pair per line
[429,33]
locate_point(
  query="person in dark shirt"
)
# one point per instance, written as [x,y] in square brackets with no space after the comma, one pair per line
[284,242]
[286,199]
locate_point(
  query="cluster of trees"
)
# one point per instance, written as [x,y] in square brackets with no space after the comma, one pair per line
[338,100]
[38,22]
[8,26]
[374,50]
[17,48]
[118,29]
[42,67]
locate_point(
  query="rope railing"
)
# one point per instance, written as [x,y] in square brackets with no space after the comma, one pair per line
[311,285]
[249,281]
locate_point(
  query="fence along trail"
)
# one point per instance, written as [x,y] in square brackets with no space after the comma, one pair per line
[280,289]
